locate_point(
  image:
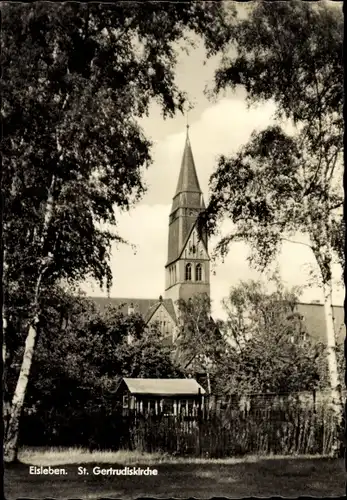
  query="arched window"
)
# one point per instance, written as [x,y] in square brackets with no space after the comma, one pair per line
[198,272]
[188,272]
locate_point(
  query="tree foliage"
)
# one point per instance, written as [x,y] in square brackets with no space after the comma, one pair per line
[291,53]
[81,355]
[269,349]
[93,347]
[281,183]
[200,345]
[270,191]
[75,80]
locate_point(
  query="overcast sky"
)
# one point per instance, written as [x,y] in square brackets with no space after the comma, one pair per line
[215,128]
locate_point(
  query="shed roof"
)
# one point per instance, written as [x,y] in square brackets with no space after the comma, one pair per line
[164,387]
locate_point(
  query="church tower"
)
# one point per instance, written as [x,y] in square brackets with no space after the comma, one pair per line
[187,271]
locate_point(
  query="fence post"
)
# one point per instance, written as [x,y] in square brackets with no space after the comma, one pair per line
[199,421]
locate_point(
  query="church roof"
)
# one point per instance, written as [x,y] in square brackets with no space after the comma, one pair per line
[145,307]
[313,314]
[188,179]
[313,318]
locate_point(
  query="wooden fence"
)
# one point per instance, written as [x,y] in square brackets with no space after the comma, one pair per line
[253,424]
[261,424]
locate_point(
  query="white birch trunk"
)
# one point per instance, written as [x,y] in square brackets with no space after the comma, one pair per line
[11,438]
[336,396]
[330,334]
[3,311]
[331,342]
[208,382]
[10,448]
[5,399]
[4,328]
[209,390]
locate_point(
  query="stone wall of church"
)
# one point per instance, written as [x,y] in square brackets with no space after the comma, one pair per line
[188,290]
[177,287]
[185,291]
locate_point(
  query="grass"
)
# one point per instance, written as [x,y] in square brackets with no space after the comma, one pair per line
[177,477]
[76,456]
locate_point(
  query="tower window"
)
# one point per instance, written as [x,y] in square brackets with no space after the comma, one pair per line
[188,272]
[198,272]
[172,275]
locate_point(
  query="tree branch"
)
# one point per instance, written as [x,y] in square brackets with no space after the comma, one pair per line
[338,205]
[297,242]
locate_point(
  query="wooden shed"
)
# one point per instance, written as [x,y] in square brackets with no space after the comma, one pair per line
[160,396]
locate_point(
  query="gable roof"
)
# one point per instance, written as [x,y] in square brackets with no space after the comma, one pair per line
[164,387]
[168,303]
[313,314]
[187,239]
[314,320]
[145,307]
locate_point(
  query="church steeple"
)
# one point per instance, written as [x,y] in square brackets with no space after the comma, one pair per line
[188,179]
[187,267]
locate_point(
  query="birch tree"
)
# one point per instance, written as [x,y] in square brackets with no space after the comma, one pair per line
[75,80]
[200,344]
[280,184]
[270,350]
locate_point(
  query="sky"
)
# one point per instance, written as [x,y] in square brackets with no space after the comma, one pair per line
[219,127]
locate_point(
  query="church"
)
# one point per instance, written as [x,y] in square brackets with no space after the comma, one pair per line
[187,269]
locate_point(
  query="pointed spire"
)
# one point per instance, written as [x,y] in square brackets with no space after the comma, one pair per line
[188,179]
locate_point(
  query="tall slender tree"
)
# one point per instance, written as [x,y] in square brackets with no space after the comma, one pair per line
[280,184]
[75,78]
[200,344]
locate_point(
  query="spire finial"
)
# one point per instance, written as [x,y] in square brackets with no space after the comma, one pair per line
[187,115]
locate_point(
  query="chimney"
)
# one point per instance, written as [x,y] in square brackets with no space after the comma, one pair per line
[131,309]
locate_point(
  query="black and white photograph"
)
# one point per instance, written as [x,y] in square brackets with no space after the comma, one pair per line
[172,249]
